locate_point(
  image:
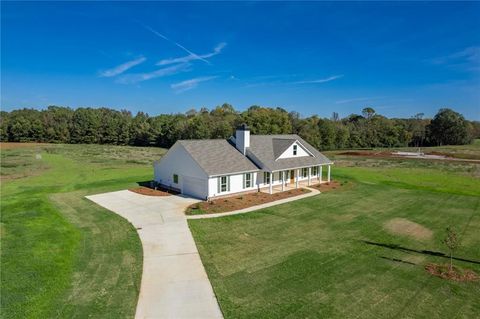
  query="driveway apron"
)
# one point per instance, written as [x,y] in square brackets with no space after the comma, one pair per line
[174,282]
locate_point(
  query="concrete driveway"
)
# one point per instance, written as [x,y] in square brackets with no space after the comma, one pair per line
[174,282]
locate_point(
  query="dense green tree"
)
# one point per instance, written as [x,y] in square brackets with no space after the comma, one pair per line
[449,128]
[141,131]
[342,136]
[309,130]
[368,112]
[57,123]
[267,120]
[4,118]
[86,126]
[107,126]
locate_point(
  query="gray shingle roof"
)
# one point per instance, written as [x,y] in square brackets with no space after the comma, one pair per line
[266,147]
[280,145]
[218,157]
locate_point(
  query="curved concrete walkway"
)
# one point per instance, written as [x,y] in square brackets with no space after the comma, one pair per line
[174,282]
[313,192]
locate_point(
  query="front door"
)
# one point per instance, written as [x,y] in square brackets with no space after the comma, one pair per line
[292,176]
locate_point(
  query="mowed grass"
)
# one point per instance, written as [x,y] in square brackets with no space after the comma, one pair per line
[63,256]
[331,256]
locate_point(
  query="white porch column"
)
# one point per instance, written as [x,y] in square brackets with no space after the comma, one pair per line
[283,181]
[328,175]
[309,173]
[271,180]
[296,180]
[320,174]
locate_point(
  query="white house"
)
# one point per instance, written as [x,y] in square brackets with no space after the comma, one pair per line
[210,168]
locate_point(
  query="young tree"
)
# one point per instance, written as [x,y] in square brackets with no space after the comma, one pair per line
[451,241]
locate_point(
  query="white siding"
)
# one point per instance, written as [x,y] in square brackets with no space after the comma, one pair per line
[178,161]
[301,152]
[236,185]
[277,179]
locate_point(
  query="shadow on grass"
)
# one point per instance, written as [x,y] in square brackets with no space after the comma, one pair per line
[423,252]
[398,260]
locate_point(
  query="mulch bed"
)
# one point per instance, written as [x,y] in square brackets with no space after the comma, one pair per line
[325,187]
[160,191]
[235,202]
[456,274]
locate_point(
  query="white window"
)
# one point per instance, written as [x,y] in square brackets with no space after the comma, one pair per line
[247,180]
[304,172]
[314,171]
[294,149]
[223,184]
[266,177]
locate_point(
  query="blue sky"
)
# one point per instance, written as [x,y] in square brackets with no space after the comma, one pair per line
[311,57]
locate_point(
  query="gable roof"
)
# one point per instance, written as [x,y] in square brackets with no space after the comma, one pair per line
[280,145]
[218,157]
[264,148]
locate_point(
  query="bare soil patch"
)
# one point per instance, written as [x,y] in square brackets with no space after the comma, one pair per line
[456,274]
[228,204]
[389,154]
[160,191]
[13,145]
[402,226]
[383,154]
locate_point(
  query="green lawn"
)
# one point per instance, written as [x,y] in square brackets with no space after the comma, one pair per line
[326,256]
[63,256]
[331,256]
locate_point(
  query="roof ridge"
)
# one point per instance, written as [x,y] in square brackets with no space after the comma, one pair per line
[203,139]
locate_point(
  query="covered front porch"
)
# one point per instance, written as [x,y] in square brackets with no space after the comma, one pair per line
[280,181]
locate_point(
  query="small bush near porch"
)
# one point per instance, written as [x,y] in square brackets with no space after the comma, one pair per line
[228,204]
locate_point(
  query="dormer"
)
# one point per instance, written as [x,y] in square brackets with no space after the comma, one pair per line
[292,149]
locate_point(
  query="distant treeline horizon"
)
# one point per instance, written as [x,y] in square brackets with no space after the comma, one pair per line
[367,129]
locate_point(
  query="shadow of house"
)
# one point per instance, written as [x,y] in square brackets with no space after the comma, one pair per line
[423,252]
[156,186]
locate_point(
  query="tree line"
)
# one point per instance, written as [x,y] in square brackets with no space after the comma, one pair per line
[57,124]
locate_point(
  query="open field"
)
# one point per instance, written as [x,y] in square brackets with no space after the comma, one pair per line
[466,152]
[356,253]
[458,151]
[63,256]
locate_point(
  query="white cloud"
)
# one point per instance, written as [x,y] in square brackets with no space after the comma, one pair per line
[358,99]
[175,43]
[139,77]
[191,57]
[190,84]
[331,78]
[119,69]
[466,59]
